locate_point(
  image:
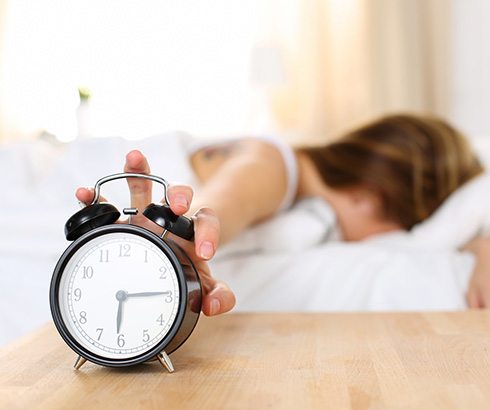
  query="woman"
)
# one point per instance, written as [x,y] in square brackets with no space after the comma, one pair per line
[386,176]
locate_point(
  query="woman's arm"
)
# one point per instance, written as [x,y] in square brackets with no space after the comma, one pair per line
[243,181]
[478,294]
[242,184]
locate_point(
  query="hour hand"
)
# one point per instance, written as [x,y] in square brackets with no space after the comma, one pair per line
[119,315]
[148,294]
[121,296]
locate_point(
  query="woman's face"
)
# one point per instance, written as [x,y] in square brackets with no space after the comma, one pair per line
[359,212]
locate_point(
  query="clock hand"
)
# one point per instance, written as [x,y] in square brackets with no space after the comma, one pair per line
[121,296]
[148,294]
[119,315]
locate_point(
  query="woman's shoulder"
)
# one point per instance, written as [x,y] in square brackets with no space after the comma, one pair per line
[208,155]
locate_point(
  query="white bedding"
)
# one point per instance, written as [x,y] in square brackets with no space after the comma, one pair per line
[304,272]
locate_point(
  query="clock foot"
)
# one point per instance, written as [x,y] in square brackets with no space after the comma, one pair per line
[79,363]
[165,361]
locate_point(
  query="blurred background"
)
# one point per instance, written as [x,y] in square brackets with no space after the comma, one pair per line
[307,69]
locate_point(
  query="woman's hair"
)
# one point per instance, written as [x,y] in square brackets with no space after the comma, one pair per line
[413,162]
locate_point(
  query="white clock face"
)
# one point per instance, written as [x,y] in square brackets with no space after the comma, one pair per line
[119,295]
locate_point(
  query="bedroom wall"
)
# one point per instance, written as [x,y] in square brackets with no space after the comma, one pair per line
[162,66]
[3,7]
[470,65]
[334,63]
[349,61]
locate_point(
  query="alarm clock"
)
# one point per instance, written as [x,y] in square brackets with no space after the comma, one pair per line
[120,294]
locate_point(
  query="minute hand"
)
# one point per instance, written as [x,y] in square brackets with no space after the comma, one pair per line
[148,294]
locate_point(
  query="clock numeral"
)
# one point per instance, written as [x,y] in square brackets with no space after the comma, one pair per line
[120,340]
[88,272]
[78,294]
[83,317]
[146,336]
[146,256]
[160,320]
[104,255]
[169,297]
[124,250]
[163,272]
[100,330]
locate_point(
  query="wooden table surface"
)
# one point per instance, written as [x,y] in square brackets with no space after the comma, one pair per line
[257,361]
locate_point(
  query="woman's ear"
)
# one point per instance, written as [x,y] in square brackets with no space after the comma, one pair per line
[366,202]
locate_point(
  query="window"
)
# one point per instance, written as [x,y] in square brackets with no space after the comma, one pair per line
[150,66]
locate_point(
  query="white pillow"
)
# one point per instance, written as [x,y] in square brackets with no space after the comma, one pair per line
[464,215]
[309,222]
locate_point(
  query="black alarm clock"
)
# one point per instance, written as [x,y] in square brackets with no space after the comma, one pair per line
[120,294]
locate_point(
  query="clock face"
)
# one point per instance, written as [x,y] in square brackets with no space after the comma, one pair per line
[118,295]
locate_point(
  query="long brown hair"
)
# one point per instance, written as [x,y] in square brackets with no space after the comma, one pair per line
[413,162]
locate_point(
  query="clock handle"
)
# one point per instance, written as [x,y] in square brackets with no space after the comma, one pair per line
[161,214]
[125,175]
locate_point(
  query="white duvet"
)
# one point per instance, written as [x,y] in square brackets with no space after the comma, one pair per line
[276,267]
[292,262]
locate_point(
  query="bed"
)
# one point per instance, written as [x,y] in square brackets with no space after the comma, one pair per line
[271,267]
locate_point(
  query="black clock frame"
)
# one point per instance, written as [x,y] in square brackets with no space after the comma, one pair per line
[190,296]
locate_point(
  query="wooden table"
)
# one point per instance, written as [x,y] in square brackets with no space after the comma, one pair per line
[258,361]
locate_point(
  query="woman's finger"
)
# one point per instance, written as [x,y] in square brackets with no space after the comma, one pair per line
[86,195]
[140,189]
[474,300]
[485,297]
[206,236]
[180,197]
[219,300]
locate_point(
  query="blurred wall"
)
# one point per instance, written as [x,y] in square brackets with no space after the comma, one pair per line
[470,65]
[307,68]
[3,8]
[351,60]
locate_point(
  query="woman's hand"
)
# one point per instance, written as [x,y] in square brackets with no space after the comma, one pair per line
[217,296]
[478,295]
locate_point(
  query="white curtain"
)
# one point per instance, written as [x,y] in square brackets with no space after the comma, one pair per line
[311,68]
[350,60]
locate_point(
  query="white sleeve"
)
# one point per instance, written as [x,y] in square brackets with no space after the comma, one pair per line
[291,166]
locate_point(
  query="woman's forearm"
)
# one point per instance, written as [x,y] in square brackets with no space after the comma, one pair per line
[479,246]
[478,294]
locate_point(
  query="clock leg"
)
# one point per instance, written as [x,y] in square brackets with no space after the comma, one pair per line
[79,363]
[165,361]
